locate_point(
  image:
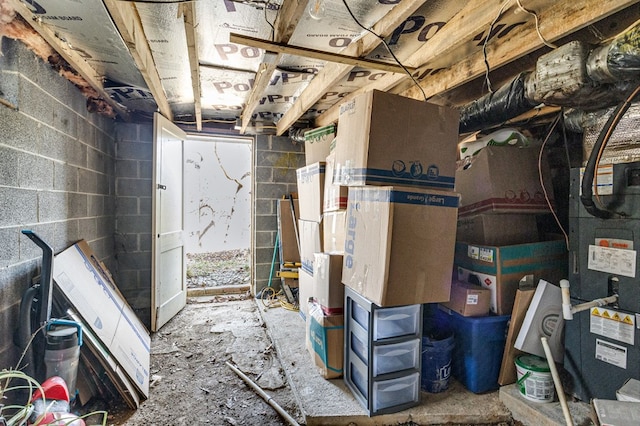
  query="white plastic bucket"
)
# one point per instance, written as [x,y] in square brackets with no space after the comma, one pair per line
[534,378]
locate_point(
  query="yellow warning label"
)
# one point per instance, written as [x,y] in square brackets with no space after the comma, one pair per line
[605,314]
[627,319]
[595,312]
[616,317]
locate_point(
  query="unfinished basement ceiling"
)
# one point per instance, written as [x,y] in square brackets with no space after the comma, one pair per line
[268,65]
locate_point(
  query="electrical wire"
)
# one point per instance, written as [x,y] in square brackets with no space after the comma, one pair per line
[387,47]
[535,17]
[484,47]
[544,190]
[273,30]
[607,135]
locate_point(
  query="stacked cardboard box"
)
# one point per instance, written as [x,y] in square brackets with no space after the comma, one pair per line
[397,156]
[321,224]
[498,240]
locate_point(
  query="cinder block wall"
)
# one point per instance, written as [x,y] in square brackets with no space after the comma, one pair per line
[56,177]
[274,176]
[134,171]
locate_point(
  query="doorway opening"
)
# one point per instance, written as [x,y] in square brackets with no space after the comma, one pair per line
[217,197]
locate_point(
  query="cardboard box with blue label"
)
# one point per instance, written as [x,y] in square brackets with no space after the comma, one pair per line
[387,139]
[399,244]
[310,233]
[325,341]
[500,268]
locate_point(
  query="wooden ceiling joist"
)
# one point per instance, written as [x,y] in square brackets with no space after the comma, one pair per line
[333,72]
[71,56]
[290,13]
[126,18]
[189,16]
[558,20]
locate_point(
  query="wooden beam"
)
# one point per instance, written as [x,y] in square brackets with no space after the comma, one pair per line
[127,21]
[557,21]
[71,56]
[461,27]
[288,17]
[333,72]
[313,53]
[189,16]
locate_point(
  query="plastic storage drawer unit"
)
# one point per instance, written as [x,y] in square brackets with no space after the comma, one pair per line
[479,345]
[382,354]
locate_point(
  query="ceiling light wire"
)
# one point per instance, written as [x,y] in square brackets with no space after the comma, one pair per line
[544,190]
[273,30]
[388,49]
[487,67]
[535,16]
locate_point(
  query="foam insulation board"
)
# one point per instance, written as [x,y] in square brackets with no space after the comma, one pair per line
[164,29]
[226,17]
[334,29]
[87,28]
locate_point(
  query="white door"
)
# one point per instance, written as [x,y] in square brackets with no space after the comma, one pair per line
[168,270]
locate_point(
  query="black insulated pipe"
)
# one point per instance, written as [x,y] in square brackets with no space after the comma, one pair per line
[494,108]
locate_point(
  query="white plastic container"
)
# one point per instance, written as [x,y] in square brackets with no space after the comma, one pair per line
[396,357]
[534,378]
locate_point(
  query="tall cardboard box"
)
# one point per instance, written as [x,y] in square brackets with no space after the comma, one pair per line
[333,231]
[335,195]
[289,251]
[387,139]
[504,179]
[317,143]
[498,229]
[328,289]
[500,268]
[399,244]
[310,181]
[310,243]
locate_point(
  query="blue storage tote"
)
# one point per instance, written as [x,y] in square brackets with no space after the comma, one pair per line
[479,345]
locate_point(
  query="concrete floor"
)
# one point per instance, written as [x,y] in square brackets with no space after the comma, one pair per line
[330,402]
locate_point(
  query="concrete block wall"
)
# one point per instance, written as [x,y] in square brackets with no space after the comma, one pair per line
[56,177]
[274,176]
[134,172]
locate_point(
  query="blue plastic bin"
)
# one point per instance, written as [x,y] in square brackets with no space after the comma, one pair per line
[479,346]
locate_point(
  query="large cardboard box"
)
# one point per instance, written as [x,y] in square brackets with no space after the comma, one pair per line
[469,300]
[399,244]
[328,289]
[310,243]
[287,232]
[317,143]
[311,191]
[504,179]
[335,195]
[498,229]
[333,231]
[325,341]
[88,286]
[387,139]
[500,268]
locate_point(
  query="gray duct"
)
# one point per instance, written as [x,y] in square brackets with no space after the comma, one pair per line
[572,75]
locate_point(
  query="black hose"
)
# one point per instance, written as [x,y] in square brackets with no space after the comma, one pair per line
[24,329]
[589,172]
